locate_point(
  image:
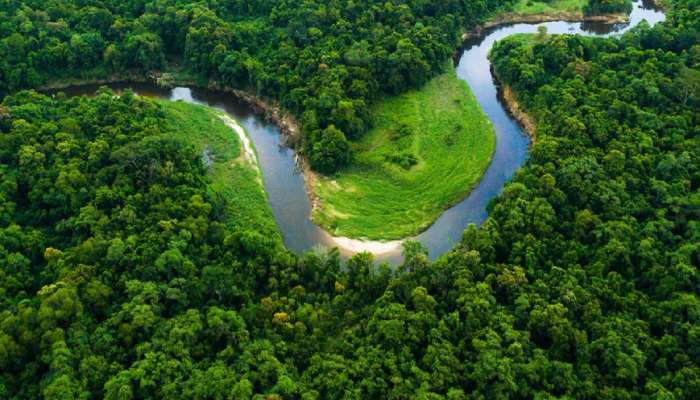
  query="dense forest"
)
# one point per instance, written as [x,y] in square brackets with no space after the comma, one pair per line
[121,280]
[323,61]
[595,7]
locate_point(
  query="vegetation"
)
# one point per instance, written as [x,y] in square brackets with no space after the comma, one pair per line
[570,9]
[120,278]
[595,7]
[532,7]
[428,148]
[325,62]
[235,179]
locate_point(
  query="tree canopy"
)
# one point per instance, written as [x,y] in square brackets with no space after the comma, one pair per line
[323,61]
[118,280]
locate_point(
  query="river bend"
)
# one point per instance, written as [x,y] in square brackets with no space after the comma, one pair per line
[285,184]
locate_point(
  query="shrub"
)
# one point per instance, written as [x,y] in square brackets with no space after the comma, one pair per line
[330,150]
[404,160]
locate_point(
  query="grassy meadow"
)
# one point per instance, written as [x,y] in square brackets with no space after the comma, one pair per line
[231,175]
[428,149]
[526,7]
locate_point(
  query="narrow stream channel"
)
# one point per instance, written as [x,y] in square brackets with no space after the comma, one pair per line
[285,184]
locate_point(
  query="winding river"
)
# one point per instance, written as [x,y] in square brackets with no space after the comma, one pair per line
[285,184]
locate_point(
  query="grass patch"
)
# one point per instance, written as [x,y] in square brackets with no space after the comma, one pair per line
[533,10]
[526,39]
[524,7]
[231,175]
[428,149]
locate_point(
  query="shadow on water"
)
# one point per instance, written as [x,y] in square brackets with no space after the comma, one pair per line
[285,184]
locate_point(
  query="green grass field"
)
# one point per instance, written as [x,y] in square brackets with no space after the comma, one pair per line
[443,130]
[232,176]
[523,7]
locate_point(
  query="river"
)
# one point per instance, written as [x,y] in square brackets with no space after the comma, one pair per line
[285,184]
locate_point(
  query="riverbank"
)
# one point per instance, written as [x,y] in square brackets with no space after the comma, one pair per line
[513,107]
[269,109]
[426,152]
[271,112]
[233,169]
[517,18]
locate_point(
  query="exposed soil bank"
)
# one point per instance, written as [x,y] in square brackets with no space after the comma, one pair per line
[517,112]
[248,153]
[375,247]
[513,107]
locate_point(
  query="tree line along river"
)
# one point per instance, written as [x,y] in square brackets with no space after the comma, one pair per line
[284,183]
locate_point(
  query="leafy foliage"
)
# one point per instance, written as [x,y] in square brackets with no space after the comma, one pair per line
[118,281]
[325,62]
[427,150]
[607,7]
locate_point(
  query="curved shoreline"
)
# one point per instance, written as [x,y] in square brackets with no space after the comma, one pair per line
[304,238]
[285,122]
[510,100]
[512,18]
[514,109]
[270,110]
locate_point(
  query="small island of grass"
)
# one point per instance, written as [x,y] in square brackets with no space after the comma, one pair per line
[428,149]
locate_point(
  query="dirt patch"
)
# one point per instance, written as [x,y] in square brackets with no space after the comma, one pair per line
[372,246]
[514,108]
[517,112]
